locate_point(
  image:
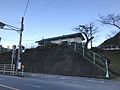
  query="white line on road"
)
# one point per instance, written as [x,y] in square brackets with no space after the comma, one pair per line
[37,86]
[8,87]
[63,78]
[95,81]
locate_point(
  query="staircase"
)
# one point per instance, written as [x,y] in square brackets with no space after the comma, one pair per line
[94,58]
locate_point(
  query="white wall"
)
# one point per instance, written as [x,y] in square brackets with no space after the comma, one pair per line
[76,39]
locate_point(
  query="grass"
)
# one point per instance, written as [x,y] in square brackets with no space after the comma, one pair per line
[113,56]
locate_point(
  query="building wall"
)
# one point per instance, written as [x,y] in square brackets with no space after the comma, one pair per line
[76,39]
[110,47]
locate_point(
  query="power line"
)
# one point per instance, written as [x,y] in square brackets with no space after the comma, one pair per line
[46,5]
[6,40]
[26,8]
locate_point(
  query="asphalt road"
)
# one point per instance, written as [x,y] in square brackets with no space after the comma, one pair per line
[56,83]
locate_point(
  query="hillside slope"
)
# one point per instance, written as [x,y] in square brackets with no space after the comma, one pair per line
[113,56]
[58,59]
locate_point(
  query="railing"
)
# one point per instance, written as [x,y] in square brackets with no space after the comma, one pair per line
[92,57]
[7,69]
[110,47]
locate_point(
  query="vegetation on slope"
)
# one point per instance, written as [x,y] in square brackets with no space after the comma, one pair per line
[113,56]
[58,59]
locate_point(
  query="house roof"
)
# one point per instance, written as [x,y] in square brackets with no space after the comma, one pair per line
[63,37]
[112,41]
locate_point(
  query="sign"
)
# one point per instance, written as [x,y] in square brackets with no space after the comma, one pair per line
[19,65]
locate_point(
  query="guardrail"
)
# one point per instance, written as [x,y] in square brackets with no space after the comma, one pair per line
[7,69]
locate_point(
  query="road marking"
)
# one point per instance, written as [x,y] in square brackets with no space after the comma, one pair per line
[8,87]
[95,81]
[37,86]
[63,78]
[48,76]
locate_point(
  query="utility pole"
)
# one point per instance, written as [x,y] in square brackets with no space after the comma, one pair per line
[19,30]
[18,66]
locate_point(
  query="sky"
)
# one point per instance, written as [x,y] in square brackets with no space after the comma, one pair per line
[51,18]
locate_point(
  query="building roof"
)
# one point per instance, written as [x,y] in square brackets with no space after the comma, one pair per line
[112,41]
[63,37]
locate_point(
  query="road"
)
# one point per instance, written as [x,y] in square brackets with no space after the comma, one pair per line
[56,83]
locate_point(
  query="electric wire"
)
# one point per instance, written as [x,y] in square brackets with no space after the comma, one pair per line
[25,41]
[41,8]
[26,8]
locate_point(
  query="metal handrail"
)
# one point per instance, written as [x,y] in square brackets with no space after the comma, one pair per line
[94,58]
[7,68]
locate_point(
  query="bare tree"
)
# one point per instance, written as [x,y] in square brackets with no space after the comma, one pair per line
[88,31]
[113,20]
[111,34]
[110,19]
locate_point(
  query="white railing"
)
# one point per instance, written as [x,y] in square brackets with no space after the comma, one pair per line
[7,68]
[92,57]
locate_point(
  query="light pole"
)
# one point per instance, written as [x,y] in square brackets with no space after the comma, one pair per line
[19,30]
[13,55]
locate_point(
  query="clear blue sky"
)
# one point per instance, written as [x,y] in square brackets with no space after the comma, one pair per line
[49,18]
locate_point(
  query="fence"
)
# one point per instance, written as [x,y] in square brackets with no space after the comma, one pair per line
[7,69]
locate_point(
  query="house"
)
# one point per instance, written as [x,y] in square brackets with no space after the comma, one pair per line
[2,49]
[76,37]
[112,43]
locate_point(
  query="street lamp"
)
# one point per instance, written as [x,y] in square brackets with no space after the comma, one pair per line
[19,30]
